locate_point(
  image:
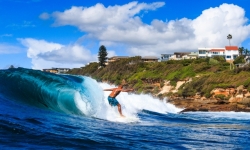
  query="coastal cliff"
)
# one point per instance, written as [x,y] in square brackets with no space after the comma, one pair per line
[197,85]
[229,99]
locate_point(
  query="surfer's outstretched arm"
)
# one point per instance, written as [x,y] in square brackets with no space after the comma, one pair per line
[127,90]
[109,89]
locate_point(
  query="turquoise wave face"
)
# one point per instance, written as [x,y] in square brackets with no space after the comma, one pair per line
[64,93]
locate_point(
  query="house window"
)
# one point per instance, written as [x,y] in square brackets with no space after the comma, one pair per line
[202,52]
[228,56]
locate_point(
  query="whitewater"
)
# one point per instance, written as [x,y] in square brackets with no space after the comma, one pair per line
[48,111]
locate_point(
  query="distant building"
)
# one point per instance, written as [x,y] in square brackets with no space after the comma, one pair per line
[179,55]
[193,55]
[53,70]
[57,70]
[149,59]
[166,57]
[62,70]
[229,52]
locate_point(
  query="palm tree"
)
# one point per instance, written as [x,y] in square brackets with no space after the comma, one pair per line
[229,37]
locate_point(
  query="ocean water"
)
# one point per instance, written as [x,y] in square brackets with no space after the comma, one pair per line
[47,111]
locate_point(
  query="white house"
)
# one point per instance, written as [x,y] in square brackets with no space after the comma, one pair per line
[229,52]
[57,70]
[166,57]
[179,56]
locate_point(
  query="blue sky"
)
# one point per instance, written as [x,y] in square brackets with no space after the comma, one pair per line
[50,33]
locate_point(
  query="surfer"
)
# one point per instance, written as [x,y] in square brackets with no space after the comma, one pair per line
[112,97]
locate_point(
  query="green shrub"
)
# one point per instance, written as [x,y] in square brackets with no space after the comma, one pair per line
[239,60]
[207,95]
[173,82]
[220,96]
[213,61]
[247,83]
[219,58]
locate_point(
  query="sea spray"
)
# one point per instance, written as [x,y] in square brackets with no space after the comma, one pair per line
[132,104]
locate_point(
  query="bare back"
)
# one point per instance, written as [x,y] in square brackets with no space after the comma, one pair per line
[115,92]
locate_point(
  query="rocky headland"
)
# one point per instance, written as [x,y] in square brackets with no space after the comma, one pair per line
[209,84]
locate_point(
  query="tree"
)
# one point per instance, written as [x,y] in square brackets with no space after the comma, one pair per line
[239,60]
[229,37]
[102,56]
[11,67]
[241,49]
[246,51]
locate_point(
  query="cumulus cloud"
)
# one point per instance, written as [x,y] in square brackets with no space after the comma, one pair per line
[97,18]
[48,54]
[214,24]
[122,25]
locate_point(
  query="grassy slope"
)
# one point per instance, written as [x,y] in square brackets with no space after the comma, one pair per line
[206,75]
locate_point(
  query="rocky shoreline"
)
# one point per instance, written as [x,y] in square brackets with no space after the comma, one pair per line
[209,105]
[228,99]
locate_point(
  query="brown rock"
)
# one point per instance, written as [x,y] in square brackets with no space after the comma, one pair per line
[245,101]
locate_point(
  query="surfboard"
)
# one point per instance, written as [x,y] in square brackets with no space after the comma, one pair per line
[127,119]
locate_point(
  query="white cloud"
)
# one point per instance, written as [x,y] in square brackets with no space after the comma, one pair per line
[47,54]
[70,54]
[214,24]
[44,16]
[111,53]
[121,24]
[97,18]
[9,49]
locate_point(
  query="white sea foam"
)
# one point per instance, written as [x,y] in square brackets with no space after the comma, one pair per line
[94,103]
[226,115]
[131,105]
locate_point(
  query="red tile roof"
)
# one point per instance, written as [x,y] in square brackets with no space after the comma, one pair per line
[234,48]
